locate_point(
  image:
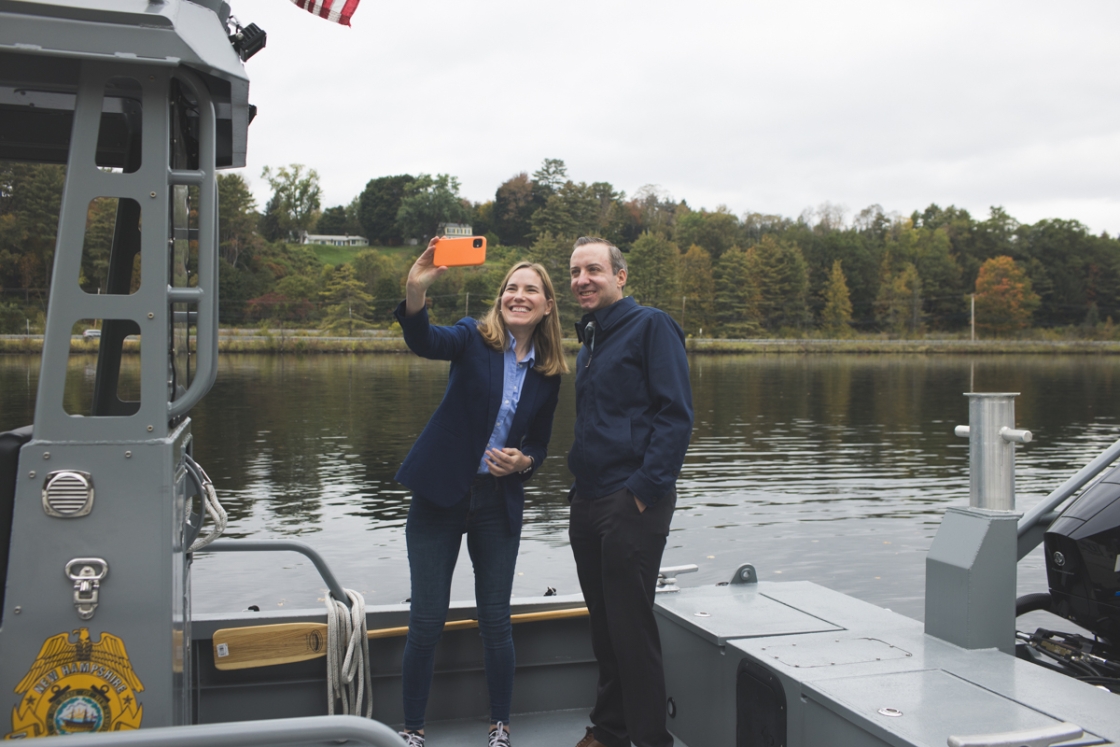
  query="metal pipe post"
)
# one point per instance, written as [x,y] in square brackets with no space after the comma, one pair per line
[992,437]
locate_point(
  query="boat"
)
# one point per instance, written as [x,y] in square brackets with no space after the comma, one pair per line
[103,508]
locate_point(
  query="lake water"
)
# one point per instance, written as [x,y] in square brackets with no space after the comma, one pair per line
[834,469]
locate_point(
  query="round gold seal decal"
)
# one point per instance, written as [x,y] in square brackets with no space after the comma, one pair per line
[78,686]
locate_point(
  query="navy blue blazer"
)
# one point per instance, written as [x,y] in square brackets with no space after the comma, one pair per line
[444,460]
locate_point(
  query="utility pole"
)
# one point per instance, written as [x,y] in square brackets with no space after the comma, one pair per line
[972,317]
[683,299]
[467,305]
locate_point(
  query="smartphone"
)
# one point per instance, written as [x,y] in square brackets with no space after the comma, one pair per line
[459,252]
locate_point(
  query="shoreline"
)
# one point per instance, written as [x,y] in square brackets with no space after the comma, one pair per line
[268,344]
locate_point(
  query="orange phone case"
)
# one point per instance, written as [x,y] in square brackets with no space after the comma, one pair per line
[460,252]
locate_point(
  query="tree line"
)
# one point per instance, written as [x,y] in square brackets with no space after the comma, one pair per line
[717,272]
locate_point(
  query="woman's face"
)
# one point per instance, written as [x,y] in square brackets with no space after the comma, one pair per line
[523,300]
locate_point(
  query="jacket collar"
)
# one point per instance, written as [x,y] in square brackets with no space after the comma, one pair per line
[607,317]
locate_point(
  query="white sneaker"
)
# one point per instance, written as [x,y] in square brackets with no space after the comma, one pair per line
[499,737]
[412,739]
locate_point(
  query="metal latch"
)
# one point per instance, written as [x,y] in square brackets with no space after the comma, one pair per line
[87,575]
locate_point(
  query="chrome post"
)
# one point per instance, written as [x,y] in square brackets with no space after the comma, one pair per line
[992,437]
[970,568]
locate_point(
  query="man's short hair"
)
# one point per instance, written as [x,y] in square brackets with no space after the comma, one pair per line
[618,262]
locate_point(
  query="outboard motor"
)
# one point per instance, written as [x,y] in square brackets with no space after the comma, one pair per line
[1083,560]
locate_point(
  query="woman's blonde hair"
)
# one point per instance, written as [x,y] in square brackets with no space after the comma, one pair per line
[549,352]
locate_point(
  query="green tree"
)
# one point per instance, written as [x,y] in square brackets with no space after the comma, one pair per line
[550,176]
[1070,269]
[30,199]
[715,232]
[698,287]
[1004,298]
[12,318]
[379,275]
[612,218]
[737,293]
[97,245]
[555,253]
[836,315]
[332,222]
[347,303]
[269,224]
[571,210]
[427,202]
[898,305]
[513,210]
[653,278]
[237,218]
[783,284]
[652,209]
[482,221]
[377,208]
[930,251]
[295,198]
[290,301]
[236,287]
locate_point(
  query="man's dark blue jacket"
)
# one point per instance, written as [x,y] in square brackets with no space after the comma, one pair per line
[445,458]
[633,403]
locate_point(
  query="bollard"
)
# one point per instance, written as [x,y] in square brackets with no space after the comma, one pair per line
[992,437]
[970,568]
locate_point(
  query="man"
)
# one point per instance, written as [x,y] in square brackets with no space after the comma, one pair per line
[633,423]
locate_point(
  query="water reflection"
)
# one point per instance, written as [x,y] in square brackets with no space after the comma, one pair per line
[834,469]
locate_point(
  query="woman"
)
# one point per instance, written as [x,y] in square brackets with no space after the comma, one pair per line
[466,469]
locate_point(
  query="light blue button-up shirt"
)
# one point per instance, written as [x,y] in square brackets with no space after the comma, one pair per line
[513,383]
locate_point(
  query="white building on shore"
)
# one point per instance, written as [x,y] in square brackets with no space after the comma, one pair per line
[333,240]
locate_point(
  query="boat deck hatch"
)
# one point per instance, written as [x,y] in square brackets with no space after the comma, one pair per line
[923,707]
[720,613]
[831,651]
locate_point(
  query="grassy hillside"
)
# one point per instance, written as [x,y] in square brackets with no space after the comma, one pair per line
[337,255]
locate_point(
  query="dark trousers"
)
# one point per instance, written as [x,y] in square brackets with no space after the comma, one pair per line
[618,554]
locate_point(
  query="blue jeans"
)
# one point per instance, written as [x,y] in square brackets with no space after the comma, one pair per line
[434,535]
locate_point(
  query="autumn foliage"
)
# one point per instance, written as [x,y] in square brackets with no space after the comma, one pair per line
[1004,298]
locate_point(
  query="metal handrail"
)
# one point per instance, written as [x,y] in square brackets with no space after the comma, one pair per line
[206,363]
[306,730]
[284,545]
[1068,488]
[1040,737]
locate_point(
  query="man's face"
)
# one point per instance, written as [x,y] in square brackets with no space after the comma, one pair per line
[593,282]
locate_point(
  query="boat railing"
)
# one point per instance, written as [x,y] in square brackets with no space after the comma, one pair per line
[285,546]
[204,295]
[264,733]
[1035,522]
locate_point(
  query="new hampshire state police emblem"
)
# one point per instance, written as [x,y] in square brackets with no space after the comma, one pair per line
[77,686]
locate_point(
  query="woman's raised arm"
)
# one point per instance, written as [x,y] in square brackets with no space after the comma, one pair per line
[420,277]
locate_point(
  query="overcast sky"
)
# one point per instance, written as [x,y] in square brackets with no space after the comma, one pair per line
[770,107]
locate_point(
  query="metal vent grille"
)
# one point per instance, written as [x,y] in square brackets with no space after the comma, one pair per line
[68,494]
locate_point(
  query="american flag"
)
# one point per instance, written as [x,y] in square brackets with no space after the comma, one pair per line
[338,11]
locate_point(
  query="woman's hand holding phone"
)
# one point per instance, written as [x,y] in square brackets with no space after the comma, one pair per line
[502,462]
[423,273]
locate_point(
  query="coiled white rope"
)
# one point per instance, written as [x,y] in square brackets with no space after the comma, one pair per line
[348,671]
[210,506]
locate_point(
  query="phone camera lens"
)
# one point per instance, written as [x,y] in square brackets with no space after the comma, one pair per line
[477,243]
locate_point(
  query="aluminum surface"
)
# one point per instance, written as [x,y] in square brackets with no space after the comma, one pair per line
[991,450]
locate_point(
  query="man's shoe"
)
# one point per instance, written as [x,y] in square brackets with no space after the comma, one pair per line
[589,740]
[412,739]
[499,737]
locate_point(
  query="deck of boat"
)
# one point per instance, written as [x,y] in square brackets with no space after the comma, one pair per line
[548,729]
